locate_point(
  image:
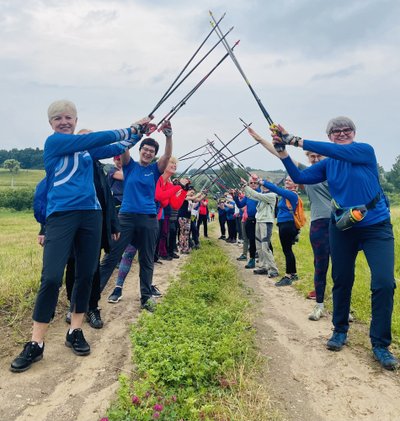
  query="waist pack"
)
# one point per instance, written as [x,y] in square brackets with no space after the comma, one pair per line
[346,218]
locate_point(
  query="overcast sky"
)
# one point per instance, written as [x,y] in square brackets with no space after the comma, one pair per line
[308,61]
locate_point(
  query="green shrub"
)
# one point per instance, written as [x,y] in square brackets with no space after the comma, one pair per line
[18,199]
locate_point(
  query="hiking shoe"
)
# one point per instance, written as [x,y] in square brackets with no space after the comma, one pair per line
[68,318]
[317,313]
[385,358]
[241,257]
[260,271]
[94,319]
[294,277]
[273,274]
[337,340]
[77,342]
[115,296]
[312,295]
[150,305]
[175,256]
[29,355]
[222,237]
[155,292]
[251,264]
[284,282]
[158,262]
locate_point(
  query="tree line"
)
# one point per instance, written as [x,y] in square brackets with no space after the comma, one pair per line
[28,158]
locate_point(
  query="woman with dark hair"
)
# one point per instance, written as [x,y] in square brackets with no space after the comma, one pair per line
[73,219]
[360,221]
[138,213]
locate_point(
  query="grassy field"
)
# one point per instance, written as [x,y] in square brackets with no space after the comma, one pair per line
[20,266]
[24,178]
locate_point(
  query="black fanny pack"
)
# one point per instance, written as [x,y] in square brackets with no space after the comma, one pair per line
[346,218]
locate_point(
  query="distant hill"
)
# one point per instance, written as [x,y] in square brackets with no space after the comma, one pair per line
[274,176]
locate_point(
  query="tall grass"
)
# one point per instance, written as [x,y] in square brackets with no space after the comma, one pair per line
[20,265]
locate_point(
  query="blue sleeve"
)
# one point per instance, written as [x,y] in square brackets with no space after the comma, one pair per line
[240,203]
[108,151]
[287,194]
[357,153]
[59,144]
[311,175]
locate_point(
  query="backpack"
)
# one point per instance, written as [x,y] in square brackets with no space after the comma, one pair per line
[40,201]
[298,215]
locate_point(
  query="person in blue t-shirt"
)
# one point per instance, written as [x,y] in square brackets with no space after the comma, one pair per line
[73,219]
[138,213]
[360,221]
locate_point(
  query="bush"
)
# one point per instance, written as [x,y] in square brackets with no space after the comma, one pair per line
[18,199]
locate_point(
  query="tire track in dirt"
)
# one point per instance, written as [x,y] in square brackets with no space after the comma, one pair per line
[306,381]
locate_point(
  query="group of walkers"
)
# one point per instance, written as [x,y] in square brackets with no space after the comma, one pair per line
[139,207]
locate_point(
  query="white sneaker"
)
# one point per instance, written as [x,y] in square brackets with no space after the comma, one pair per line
[317,313]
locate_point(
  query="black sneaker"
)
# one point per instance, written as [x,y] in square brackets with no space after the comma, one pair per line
[115,296]
[155,292]
[150,305]
[294,277]
[222,237]
[29,355]
[260,271]
[175,256]
[94,319]
[285,281]
[77,342]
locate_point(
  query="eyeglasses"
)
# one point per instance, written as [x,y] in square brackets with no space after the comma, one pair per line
[345,131]
[148,150]
[253,182]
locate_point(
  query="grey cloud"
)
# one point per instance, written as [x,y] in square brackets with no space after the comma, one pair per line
[341,73]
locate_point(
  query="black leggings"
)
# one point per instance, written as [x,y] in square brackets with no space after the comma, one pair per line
[287,236]
[250,228]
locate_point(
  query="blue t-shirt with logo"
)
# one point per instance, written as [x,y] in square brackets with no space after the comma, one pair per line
[139,188]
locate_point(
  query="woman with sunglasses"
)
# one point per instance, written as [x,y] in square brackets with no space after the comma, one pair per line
[360,220]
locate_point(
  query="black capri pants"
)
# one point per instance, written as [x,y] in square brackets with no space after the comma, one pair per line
[65,231]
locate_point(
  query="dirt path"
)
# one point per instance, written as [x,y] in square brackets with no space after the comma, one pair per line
[66,387]
[308,382]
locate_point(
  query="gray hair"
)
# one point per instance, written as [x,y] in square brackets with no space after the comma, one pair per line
[339,123]
[61,106]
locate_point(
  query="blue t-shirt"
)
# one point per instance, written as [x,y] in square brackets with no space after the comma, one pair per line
[139,188]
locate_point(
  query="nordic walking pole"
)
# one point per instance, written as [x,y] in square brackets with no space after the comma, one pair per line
[185,67]
[272,125]
[241,131]
[182,102]
[189,153]
[236,158]
[172,90]
[237,153]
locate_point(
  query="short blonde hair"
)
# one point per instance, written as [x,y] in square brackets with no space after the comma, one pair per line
[61,106]
[173,160]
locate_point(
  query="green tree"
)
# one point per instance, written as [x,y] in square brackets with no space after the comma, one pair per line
[12,165]
[393,176]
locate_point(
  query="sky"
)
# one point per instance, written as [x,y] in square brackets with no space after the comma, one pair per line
[307,60]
